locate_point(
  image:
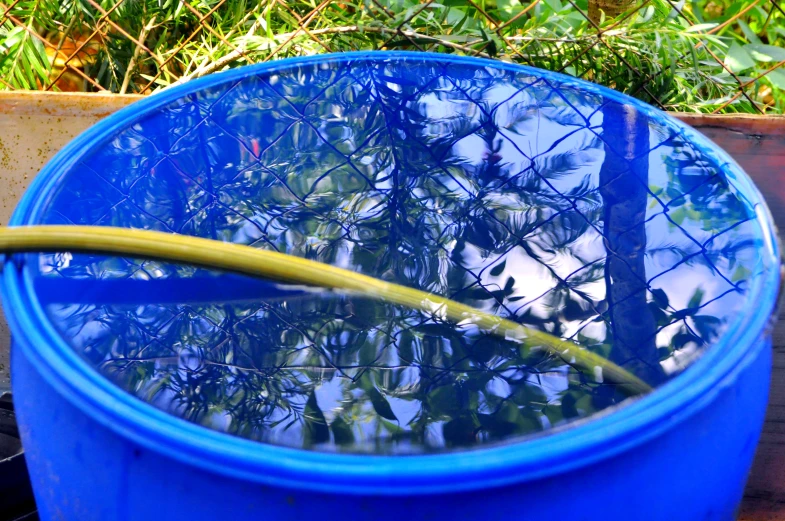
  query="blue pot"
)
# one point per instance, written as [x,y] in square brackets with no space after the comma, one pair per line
[96,452]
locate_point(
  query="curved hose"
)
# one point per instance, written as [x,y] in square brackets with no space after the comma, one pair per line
[288,268]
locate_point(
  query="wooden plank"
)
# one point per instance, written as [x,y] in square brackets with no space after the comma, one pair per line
[36,125]
[758,145]
[754,127]
[63,104]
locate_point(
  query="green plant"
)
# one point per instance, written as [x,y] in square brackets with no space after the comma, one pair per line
[686,56]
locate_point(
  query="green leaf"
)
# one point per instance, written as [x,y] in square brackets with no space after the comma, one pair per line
[406,346]
[368,353]
[707,326]
[268,24]
[568,408]
[660,297]
[496,426]
[484,349]
[678,215]
[554,414]
[696,299]
[777,78]
[498,269]
[740,273]
[27,62]
[766,53]
[695,60]
[380,404]
[572,310]
[479,294]
[498,295]
[646,14]
[748,32]
[660,10]
[342,432]
[443,401]
[455,17]
[700,28]
[738,58]
[460,431]
[394,429]
[508,8]
[681,339]
[13,38]
[40,69]
[316,430]
[663,353]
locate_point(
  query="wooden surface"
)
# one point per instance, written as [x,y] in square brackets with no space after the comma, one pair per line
[758,145]
[35,126]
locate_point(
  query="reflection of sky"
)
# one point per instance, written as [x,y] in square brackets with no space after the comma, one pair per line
[668,243]
[483,186]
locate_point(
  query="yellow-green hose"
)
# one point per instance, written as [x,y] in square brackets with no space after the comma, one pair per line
[288,268]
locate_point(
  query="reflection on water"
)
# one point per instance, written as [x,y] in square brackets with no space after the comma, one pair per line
[537,201]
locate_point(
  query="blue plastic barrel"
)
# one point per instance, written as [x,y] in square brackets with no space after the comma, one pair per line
[566,206]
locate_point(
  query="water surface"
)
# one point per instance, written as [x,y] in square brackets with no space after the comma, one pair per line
[535,200]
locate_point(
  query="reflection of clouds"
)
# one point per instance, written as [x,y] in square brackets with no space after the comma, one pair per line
[681,284]
[484,186]
[680,358]
[553,384]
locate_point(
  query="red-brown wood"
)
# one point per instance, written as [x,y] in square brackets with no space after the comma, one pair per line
[758,145]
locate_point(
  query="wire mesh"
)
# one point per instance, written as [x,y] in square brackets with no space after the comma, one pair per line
[708,56]
[428,174]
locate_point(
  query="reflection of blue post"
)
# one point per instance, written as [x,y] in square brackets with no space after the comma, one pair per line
[623,179]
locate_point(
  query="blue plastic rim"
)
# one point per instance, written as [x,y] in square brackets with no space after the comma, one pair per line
[583,443]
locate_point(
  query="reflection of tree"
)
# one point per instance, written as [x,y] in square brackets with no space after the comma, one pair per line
[713,222]
[624,178]
[410,176]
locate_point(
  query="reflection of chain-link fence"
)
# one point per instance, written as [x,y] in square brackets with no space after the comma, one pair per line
[708,55]
[500,190]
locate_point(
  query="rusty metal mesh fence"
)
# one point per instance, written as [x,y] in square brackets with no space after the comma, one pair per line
[701,55]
